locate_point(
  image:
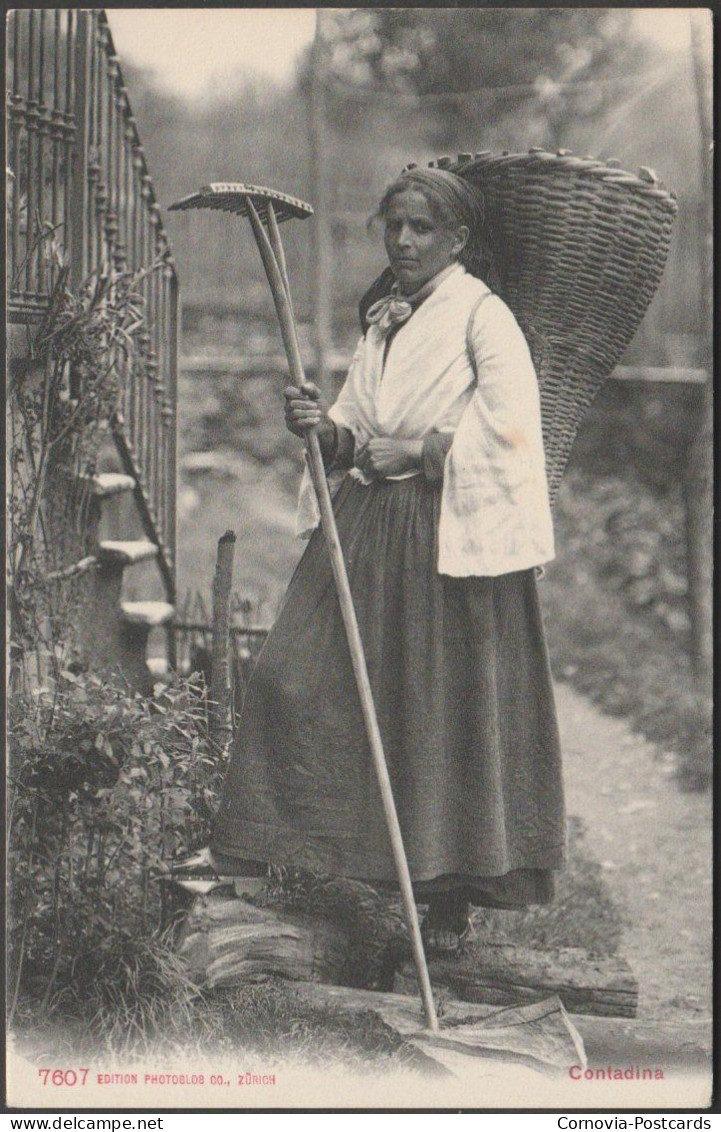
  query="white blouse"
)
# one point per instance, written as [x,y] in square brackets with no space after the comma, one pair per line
[495,513]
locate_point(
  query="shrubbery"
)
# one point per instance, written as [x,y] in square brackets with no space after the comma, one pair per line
[104,788]
[615,603]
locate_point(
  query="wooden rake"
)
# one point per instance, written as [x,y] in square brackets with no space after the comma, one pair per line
[266,209]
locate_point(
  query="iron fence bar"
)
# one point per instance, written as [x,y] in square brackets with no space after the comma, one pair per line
[120,100]
[134,183]
[157,388]
[167,413]
[151,370]
[97,219]
[15,102]
[140,441]
[164,404]
[118,152]
[122,249]
[143,337]
[164,332]
[30,110]
[173,340]
[146,244]
[147,467]
[137,169]
[56,132]
[160,398]
[41,110]
[111,226]
[70,123]
[78,196]
[102,196]
[93,165]
[170,425]
[130,200]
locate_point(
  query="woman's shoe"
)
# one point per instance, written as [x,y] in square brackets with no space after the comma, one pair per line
[195,866]
[442,943]
[202,872]
[446,925]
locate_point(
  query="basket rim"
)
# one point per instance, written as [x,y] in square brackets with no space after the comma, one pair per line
[538,160]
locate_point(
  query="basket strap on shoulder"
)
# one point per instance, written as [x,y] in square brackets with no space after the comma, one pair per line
[469,331]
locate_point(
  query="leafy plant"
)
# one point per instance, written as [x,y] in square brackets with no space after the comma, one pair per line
[104,789]
[615,604]
[63,395]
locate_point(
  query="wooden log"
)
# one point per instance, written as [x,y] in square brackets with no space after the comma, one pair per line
[502,974]
[226,941]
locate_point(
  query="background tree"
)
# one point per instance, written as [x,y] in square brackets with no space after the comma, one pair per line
[552,61]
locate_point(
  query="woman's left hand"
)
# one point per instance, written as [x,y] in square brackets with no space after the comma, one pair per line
[384,456]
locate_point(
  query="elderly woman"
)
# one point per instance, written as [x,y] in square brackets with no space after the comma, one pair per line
[443,516]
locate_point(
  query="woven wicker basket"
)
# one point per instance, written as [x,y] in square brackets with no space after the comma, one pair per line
[578,250]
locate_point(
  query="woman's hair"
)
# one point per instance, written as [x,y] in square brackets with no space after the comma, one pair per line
[453,202]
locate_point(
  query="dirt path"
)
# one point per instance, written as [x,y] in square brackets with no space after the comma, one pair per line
[655,846]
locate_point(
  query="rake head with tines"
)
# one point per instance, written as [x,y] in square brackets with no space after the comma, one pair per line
[234,197]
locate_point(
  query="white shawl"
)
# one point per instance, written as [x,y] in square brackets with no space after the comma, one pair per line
[495,514]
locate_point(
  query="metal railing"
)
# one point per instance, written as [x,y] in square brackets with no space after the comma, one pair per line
[191,641]
[77,174]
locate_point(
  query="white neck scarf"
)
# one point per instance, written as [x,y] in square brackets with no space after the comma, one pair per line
[396,308]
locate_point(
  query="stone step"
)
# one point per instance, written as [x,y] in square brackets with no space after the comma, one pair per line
[128,553]
[148,613]
[109,483]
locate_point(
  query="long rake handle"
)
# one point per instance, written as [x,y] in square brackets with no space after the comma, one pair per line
[272,257]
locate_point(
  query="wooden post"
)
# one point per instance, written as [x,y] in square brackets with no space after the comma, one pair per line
[220,722]
[698,476]
[321,233]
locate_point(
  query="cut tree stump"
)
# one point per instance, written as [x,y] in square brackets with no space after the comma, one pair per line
[500,974]
[227,942]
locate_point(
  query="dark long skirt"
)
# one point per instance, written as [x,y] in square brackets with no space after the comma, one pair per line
[461,682]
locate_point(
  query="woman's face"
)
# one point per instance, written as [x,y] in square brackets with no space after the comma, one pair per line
[417,243]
